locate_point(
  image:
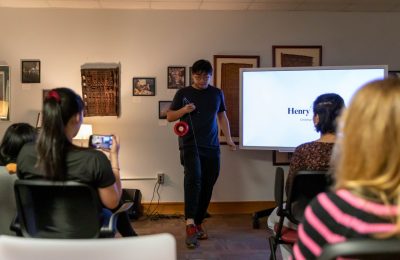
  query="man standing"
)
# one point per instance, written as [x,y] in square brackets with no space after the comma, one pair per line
[200,106]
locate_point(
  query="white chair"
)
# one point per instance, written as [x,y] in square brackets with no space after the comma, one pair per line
[159,246]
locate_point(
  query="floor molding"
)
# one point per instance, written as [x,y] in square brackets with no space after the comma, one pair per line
[238,207]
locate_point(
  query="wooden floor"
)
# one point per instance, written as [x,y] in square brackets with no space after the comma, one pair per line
[230,237]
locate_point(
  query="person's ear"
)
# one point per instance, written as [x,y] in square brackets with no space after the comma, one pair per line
[315,119]
[78,117]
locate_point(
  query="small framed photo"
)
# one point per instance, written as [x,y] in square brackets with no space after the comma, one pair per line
[30,71]
[296,56]
[163,107]
[176,77]
[144,86]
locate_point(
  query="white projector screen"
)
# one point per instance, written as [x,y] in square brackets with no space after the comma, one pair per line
[276,103]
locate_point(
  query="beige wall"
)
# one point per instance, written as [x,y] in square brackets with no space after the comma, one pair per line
[146,42]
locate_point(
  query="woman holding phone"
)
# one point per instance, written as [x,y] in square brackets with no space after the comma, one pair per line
[54,157]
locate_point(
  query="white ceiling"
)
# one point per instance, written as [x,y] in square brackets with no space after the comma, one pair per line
[228,5]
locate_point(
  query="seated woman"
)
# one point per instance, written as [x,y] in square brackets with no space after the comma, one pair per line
[54,157]
[14,138]
[366,163]
[314,155]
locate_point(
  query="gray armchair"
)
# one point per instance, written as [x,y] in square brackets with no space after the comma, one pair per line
[8,209]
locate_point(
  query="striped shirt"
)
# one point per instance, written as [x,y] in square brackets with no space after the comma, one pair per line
[334,217]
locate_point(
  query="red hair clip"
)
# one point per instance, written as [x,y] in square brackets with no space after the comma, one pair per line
[54,94]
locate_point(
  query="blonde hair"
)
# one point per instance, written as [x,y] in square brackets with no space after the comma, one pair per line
[367,154]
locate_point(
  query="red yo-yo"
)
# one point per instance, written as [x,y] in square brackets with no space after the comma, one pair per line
[181,128]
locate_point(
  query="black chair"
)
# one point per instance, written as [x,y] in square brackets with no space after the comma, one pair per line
[48,209]
[306,185]
[260,214]
[363,249]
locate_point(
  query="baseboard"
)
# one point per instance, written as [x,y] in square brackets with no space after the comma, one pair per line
[238,207]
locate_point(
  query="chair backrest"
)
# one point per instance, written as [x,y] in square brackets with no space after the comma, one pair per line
[8,208]
[48,209]
[149,247]
[363,249]
[306,185]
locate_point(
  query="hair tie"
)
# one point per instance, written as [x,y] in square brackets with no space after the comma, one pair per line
[54,95]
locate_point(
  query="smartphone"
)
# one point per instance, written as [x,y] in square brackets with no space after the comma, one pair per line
[100,141]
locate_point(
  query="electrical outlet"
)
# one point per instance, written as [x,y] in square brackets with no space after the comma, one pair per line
[160,178]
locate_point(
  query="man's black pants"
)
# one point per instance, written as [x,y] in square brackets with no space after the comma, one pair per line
[201,173]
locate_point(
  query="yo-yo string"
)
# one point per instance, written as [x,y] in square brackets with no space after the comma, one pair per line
[186,101]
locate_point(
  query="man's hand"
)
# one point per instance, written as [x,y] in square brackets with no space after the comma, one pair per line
[189,108]
[232,145]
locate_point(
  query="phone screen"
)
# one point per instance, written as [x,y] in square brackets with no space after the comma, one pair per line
[100,141]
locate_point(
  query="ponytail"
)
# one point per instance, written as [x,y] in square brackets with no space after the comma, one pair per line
[59,106]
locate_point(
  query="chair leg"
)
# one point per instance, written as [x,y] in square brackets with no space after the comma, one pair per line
[260,214]
[272,247]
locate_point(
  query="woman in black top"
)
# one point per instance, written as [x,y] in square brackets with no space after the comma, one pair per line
[54,157]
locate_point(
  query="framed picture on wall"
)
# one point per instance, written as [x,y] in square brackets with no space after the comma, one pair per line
[176,77]
[144,86]
[190,76]
[163,107]
[226,77]
[296,56]
[4,92]
[30,71]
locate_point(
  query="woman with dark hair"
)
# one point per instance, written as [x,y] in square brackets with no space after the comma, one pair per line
[14,139]
[314,155]
[54,157]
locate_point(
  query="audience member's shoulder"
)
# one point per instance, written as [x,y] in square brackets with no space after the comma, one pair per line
[313,145]
[92,153]
[305,146]
[323,197]
[28,147]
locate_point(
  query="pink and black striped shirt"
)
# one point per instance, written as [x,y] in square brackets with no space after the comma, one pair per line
[334,217]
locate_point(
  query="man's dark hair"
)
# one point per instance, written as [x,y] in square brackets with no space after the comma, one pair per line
[328,107]
[202,66]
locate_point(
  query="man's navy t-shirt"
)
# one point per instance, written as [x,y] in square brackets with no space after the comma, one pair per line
[202,121]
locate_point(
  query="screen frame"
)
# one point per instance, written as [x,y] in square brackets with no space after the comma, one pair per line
[313,68]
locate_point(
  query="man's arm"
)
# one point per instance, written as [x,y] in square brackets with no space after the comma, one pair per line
[173,115]
[224,124]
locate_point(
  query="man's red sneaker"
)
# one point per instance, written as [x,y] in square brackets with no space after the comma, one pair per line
[191,236]
[201,233]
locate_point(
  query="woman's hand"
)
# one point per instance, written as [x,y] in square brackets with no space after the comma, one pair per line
[114,151]
[115,144]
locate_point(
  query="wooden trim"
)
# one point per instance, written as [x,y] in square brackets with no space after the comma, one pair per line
[239,207]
